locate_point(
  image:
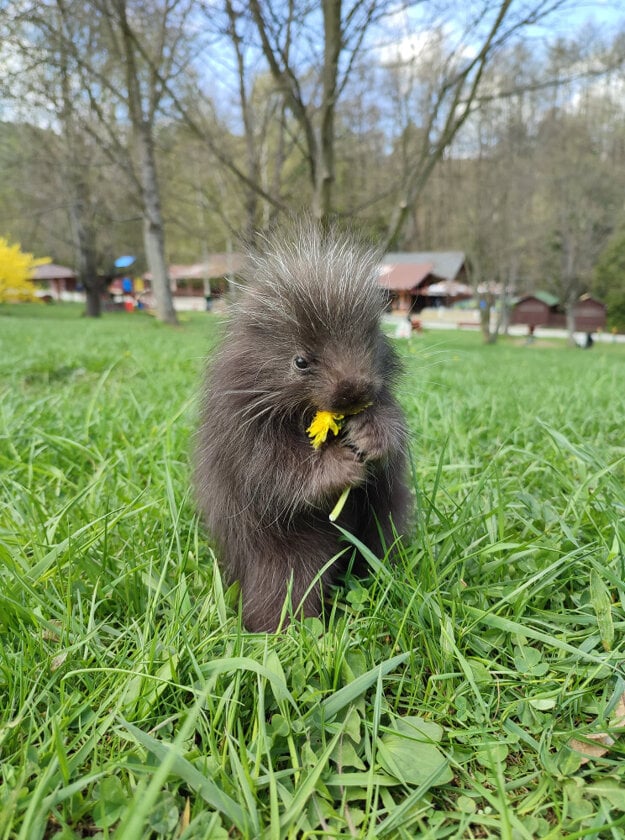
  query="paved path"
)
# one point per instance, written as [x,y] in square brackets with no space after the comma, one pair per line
[449,320]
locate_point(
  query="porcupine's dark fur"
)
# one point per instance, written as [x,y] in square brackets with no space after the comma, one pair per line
[264,491]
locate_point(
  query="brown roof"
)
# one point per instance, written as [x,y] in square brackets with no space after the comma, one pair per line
[403,277]
[217,265]
[53,272]
[446,265]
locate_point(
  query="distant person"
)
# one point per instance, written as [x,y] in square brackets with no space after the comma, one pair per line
[127,294]
[403,328]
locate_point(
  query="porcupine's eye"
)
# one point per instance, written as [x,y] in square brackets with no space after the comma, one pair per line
[300,362]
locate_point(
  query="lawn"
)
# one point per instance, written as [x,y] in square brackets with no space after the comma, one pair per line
[439,699]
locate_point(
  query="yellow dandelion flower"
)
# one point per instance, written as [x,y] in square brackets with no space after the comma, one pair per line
[322,424]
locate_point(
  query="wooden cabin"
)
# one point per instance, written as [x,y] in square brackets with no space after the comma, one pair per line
[542,309]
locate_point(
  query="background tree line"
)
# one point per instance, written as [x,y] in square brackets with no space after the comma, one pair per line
[176,127]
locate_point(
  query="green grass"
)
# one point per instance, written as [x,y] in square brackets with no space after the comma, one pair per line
[441,696]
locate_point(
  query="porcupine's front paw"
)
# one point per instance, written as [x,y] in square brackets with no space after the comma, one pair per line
[367,436]
[341,467]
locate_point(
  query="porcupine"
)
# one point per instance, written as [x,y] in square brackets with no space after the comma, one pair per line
[303,336]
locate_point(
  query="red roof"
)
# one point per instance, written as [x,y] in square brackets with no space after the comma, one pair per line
[403,277]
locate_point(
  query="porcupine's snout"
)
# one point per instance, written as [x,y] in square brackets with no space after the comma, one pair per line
[351,394]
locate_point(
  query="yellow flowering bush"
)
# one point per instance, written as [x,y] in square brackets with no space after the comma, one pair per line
[16,268]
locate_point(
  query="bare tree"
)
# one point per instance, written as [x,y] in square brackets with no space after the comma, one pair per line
[311,53]
[502,232]
[582,196]
[74,163]
[530,183]
[334,106]
[447,84]
[313,79]
[133,30]
[107,41]
[47,88]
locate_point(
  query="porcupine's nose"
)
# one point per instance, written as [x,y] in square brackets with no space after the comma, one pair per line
[352,395]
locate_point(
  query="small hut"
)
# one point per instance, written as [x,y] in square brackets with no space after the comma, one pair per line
[57,280]
[424,278]
[590,314]
[196,280]
[542,309]
[536,310]
[402,283]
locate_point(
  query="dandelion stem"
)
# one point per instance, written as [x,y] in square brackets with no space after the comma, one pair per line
[338,507]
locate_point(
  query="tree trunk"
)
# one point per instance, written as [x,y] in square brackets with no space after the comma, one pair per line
[503,321]
[415,182]
[89,273]
[486,305]
[324,169]
[84,236]
[81,202]
[143,131]
[253,164]
[93,303]
[570,322]
[154,232]
[154,243]
[569,281]
[85,242]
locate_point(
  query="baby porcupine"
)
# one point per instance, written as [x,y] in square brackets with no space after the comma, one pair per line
[304,336]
